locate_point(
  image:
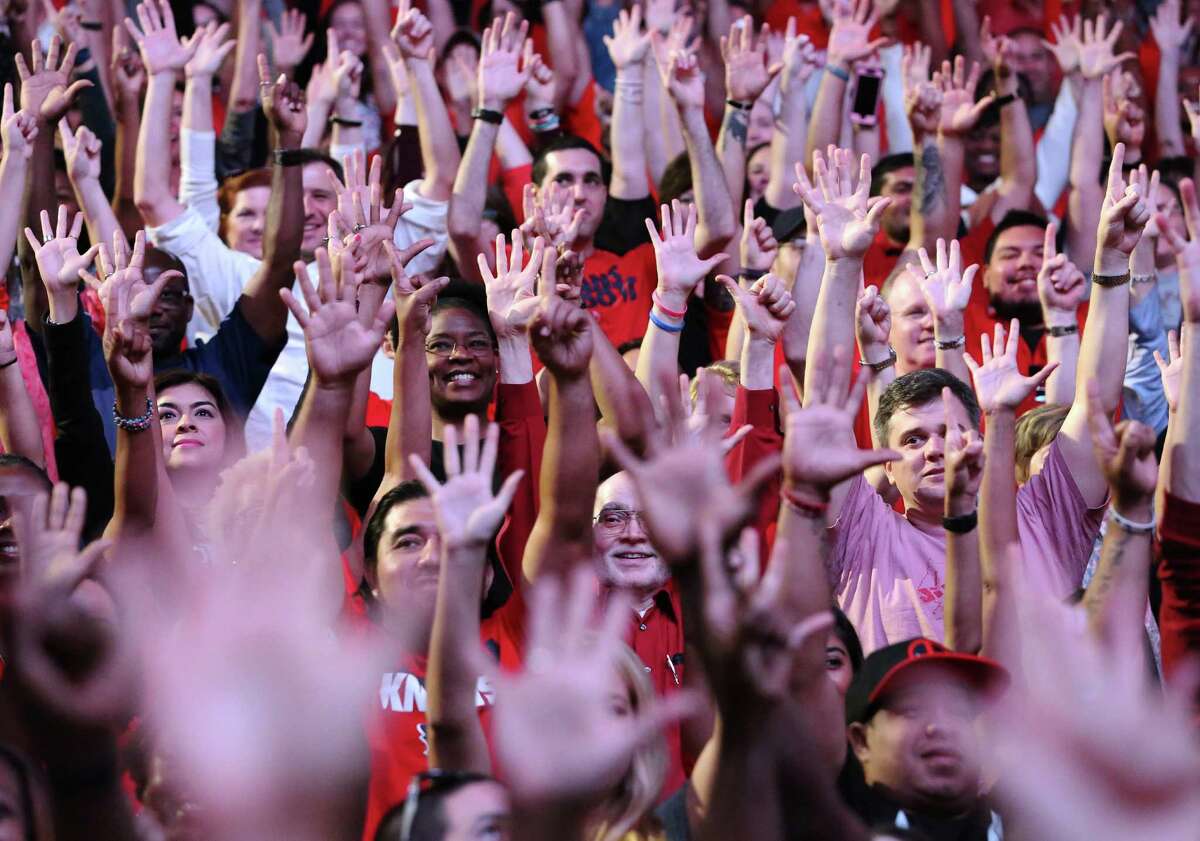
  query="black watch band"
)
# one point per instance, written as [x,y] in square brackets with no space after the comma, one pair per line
[488,115]
[1110,281]
[1058,331]
[291,157]
[962,524]
[1007,99]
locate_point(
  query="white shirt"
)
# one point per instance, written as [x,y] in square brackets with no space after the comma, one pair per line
[217,275]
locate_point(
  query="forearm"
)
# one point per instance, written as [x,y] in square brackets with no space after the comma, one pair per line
[136,470]
[747,796]
[563,45]
[1180,462]
[378,18]
[731,149]
[661,145]
[516,363]
[20,433]
[261,305]
[1018,158]
[456,740]
[787,149]
[197,103]
[628,135]
[804,575]
[1086,193]
[439,155]
[39,197]
[1167,124]
[243,93]
[618,392]
[1061,385]
[465,217]
[129,126]
[152,175]
[833,322]
[97,212]
[562,535]
[805,290]
[13,170]
[98,117]
[930,217]
[964,583]
[998,527]
[1104,344]
[1119,590]
[317,113]
[826,121]
[948,328]
[715,214]
[757,363]
[410,425]
[967,29]
[658,360]
[319,427]
[511,150]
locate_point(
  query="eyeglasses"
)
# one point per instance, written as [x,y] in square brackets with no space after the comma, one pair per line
[616,520]
[477,346]
[173,297]
[427,781]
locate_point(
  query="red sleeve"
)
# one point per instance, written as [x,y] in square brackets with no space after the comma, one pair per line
[581,118]
[512,182]
[760,409]
[522,439]
[1179,573]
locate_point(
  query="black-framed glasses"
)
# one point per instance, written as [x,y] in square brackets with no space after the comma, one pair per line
[616,520]
[476,346]
[429,781]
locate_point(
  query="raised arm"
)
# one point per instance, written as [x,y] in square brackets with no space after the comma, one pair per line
[1018,161]
[747,74]
[197,142]
[790,137]
[164,56]
[414,35]
[1104,345]
[20,432]
[1060,287]
[964,573]
[18,131]
[1125,456]
[1170,35]
[46,93]
[129,80]
[947,291]
[562,535]
[684,81]
[679,271]
[937,203]
[764,309]
[468,515]
[1000,389]
[628,48]
[377,14]
[81,149]
[243,93]
[501,77]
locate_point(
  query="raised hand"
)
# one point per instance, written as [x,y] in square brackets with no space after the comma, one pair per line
[818,450]
[764,307]
[561,333]
[850,37]
[872,322]
[1187,251]
[162,50]
[945,287]
[283,103]
[414,298]
[552,215]
[339,339]
[963,464]
[1171,372]
[128,72]
[413,34]
[748,69]
[362,216]
[541,87]
[799,59]
[49,539]
[1123,215]
[700,413]
[1125,455]
[47,91]
[999,384]
[628,44]
[680,72]
[847,218]
[501,74]
[1096,56]
[680,269]
[960,111]
[558,736]
[338,77]
[915,63]
[923,106]
[660,15]
[468,513]
[758,247]
[1068,38]
[82,152]
[1169,33]
[18,129]
[57,253]
[211,50]
[511,291]
[289,43]
[1060,284]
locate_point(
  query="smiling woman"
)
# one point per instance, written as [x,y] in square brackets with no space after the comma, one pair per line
[201,434]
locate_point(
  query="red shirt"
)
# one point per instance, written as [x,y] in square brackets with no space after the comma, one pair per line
[760,409]
[617,288]
[1179,573]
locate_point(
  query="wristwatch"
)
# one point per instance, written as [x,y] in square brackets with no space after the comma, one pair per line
[882,364]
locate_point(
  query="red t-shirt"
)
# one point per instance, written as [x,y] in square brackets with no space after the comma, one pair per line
[620,274]
[396,728]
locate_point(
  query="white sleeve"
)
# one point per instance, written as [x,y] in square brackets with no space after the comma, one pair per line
[216,273]
[1054,149]
[426,219]
[899,132]
[197,174]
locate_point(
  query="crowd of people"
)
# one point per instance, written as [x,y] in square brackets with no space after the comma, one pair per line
[581,420]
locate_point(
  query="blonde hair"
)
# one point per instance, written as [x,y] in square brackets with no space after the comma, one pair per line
[627,814]
[1035,429]
[728,371]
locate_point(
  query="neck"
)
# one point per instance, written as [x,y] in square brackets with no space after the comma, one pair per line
[932,806]
[455,417]
[193,489]
[928,521]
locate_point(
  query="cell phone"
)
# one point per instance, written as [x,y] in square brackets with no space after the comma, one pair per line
[867,84]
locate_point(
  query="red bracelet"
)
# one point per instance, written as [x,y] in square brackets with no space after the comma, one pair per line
[658,303]
[804,507]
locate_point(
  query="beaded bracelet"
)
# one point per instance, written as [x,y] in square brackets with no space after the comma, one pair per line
[138,424]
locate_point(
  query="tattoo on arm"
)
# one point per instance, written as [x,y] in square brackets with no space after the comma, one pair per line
[1108,569]
[736,123]
[931,180]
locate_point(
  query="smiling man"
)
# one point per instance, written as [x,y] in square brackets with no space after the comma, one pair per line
[911,721]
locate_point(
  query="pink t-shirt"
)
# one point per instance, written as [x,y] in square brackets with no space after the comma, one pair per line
[889,576]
